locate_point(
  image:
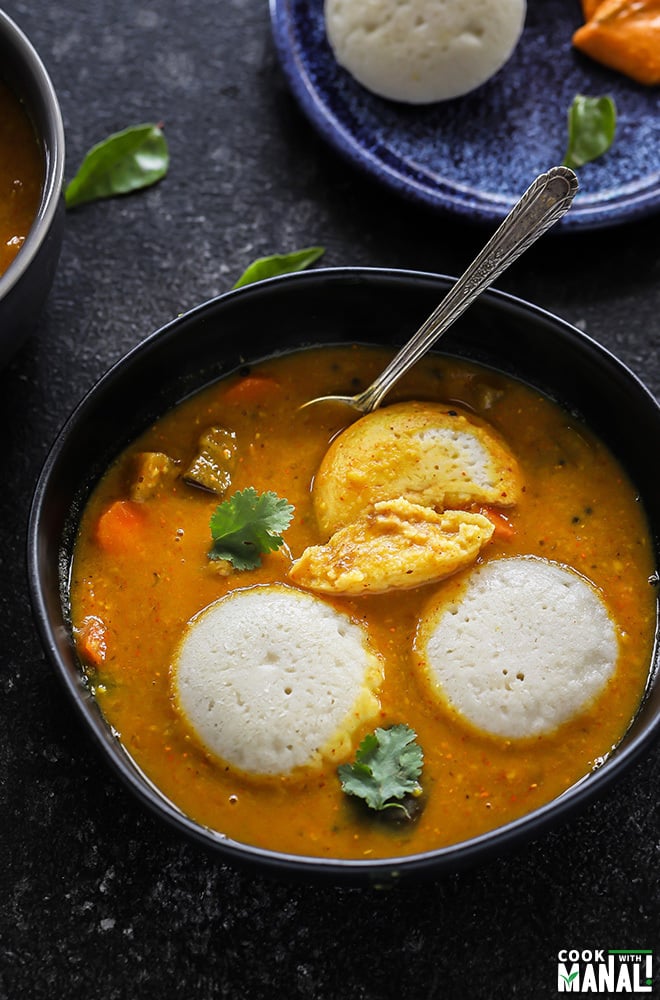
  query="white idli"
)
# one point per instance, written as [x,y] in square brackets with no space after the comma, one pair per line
[422,51]
[523,646]
[271,678]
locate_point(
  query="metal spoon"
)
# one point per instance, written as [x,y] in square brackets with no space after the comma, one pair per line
[545,201]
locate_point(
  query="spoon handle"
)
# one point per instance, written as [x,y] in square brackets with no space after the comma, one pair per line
[544,202]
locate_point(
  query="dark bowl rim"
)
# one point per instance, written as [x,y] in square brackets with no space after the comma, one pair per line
[378,871]
[54,149]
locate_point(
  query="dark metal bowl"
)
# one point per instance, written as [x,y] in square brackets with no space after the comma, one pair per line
[25,284]
[328,307]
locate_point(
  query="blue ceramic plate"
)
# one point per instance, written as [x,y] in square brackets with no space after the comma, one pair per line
[475,155]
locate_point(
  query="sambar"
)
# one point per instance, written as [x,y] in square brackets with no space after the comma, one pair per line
[21,175]
[580,509]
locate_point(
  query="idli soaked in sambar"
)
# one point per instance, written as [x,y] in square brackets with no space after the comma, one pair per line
[271,678]
[256,658]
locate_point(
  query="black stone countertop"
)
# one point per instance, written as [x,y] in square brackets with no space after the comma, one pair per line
[97,899]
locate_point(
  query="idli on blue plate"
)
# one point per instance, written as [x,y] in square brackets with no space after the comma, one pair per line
[423,51]
[271,678]
[519,646]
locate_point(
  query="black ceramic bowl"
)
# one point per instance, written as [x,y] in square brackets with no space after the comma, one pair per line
[25,284]
[274,316]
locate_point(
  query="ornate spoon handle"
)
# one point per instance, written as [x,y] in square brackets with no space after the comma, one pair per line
[544,202]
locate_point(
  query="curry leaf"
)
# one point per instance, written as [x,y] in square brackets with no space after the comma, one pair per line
[125,161]
[591,128]
[387,765]
[247,525]
[279,263]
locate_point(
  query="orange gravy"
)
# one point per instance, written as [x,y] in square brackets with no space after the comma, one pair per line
[579,508]
[21,176]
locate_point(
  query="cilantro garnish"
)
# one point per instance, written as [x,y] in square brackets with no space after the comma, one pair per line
[388,763]
[247,525]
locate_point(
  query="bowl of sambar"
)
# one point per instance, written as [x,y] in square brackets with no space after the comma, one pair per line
[125,575]
[31,174]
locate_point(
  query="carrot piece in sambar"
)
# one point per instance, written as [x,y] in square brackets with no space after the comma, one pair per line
[119,526]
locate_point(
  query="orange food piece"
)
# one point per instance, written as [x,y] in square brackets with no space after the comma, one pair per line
[251,390]
[624,35]
[92,641]
[504,530]
[120,525]
[589,8]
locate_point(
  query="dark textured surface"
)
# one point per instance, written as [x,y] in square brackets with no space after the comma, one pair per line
[96,898]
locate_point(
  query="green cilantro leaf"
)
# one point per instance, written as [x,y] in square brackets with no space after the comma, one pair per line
[387,765]
[247,525]
[279,263]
